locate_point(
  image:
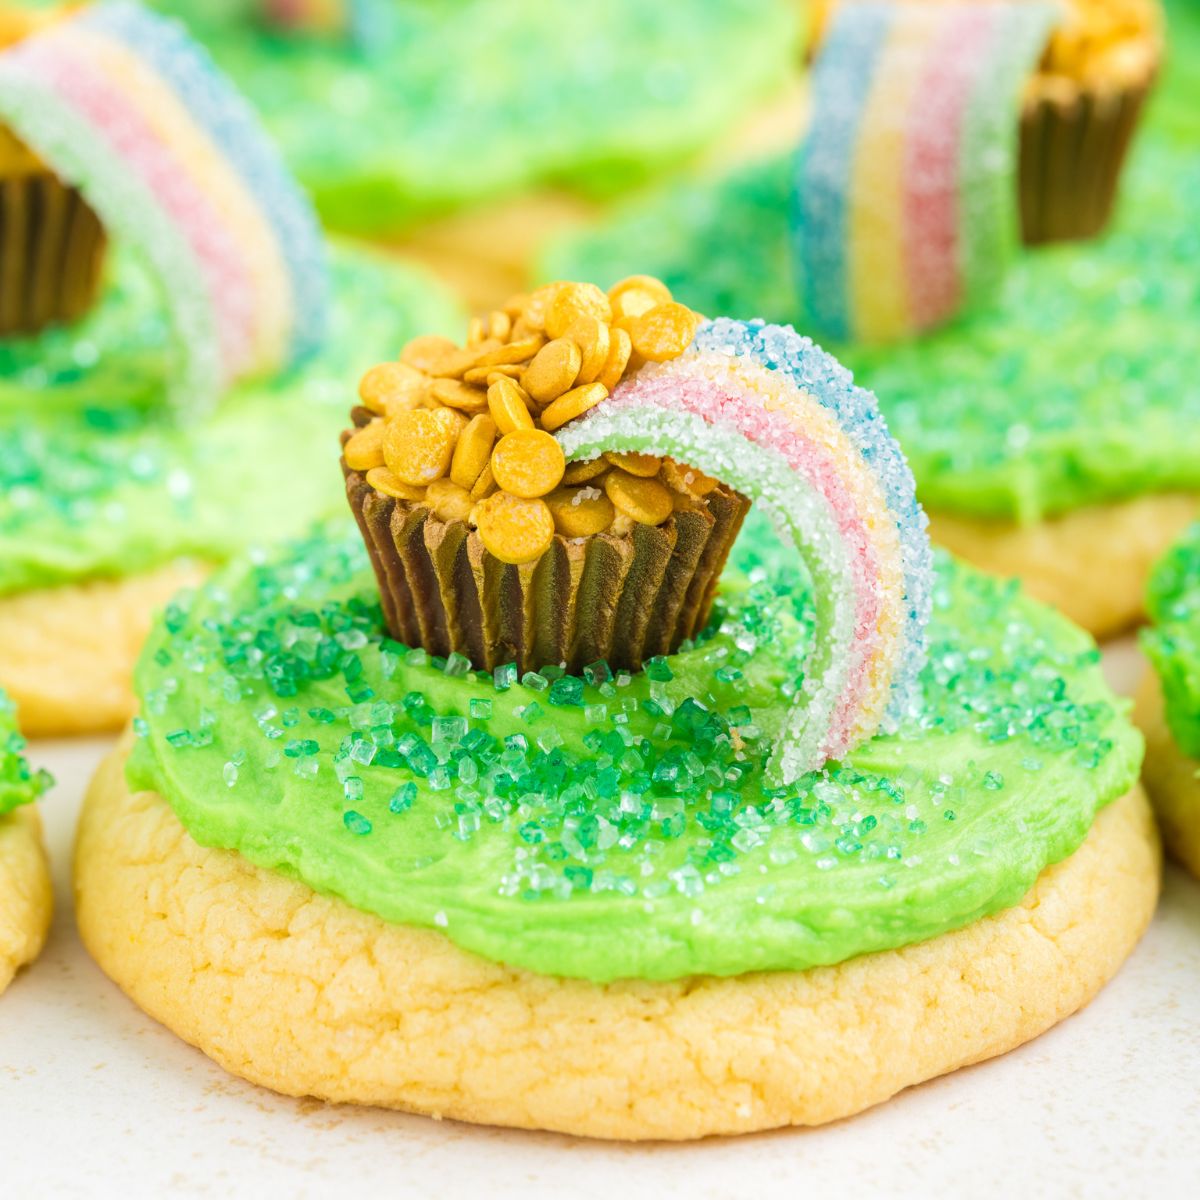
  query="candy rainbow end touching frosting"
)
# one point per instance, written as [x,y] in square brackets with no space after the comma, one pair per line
[124,106]
[905,204]
[770,414]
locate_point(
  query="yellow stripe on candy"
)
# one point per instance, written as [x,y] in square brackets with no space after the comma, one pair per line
[211,172]
[813,421]
[880,308]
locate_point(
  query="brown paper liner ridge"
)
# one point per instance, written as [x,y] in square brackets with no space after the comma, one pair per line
[620,599]
[51,253]
[1071,156]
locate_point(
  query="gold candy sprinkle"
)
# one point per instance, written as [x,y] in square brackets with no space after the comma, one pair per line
[664,332]
[580,512]
[620,347]
[572,404]
[593,339]
[364,449]
[456,363]
[533,314]
[514,529]
[507,403]
[469,429]
[392,386]
[449,501]
[473,451]
[528,463]
[642,465]
[485,485]
[462,396]
[427,351]
[643,500]
[637,294]
[418,444]
[499,326]
[581,472]
[687,479]
[575,300]
[382,480]
[514,352]
[553,370]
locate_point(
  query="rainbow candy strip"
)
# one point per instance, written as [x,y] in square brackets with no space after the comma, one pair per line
[905,203]
[772,415]
[123,105]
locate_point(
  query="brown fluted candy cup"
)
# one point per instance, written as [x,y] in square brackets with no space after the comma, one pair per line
[622,598]
[51,245]
[1073,146]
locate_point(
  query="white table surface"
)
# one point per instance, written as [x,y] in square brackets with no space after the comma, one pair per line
[98,1100]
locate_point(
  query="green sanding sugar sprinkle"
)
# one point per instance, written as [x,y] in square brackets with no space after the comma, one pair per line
[19,782]
[97,478]
[1173,641]
[645,788]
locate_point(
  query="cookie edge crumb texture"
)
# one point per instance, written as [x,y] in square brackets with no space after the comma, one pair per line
[26,896]
[305,995]
[1170,778]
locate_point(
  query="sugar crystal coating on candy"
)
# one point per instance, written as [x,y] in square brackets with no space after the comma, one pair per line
[771,415]
[905,204]
[124,106]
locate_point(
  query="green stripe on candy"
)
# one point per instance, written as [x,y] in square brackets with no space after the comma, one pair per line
[800,515]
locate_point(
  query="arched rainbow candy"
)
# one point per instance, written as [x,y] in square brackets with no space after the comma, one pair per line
[770,414]
[905,201]
[123,105]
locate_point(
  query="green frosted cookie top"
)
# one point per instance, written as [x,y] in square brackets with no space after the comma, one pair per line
[448,104]
[1173,642]
[621,827]
[19,783]
[96,478]
[1074,389]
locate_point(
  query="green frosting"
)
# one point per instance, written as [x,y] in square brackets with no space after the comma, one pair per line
[607,828]
[1073,389]
[19,783]
[1173,641]
[97,478]
[447,104]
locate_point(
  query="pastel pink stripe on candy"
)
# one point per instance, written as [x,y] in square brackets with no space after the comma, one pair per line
[932,163]
[167,178]
[814,461]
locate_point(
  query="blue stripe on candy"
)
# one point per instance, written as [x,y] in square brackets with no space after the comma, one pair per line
[825,162]
[233,125]
[781,348]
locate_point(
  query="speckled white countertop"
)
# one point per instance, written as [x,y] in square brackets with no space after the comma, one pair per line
[98,1100]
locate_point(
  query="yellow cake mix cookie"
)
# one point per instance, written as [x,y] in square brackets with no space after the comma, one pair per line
[25,893]
[1168,701]
[1171,778]
[540,795]
[306,995]
[67,653]
[1091,563]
